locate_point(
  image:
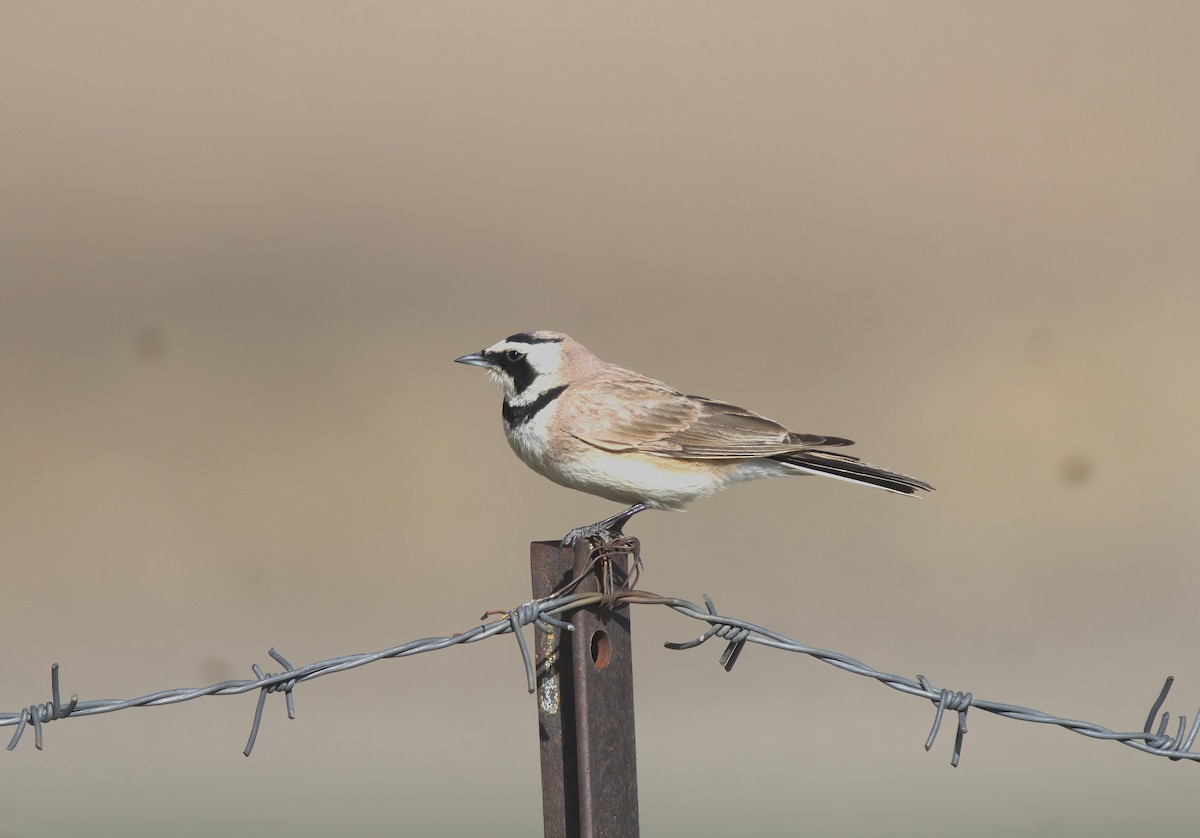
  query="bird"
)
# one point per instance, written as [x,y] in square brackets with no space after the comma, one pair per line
[609,431]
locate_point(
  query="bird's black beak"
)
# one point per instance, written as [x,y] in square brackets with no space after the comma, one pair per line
[476,360]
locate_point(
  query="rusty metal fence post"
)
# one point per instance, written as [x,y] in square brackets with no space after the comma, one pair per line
[585,708]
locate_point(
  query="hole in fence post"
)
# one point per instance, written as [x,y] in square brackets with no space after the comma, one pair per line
[601,650]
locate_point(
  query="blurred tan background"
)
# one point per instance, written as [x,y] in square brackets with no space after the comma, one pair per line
[240,244]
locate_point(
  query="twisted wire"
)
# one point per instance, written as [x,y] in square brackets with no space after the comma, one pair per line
[546,614]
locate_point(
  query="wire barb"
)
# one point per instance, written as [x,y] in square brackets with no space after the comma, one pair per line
[277,686]
[37,714]
[736,634]
[519,618]
[1177,744]
[947,700]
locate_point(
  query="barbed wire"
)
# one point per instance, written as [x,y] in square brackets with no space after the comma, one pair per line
[545,614]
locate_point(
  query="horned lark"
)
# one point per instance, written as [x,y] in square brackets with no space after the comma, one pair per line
[612,432]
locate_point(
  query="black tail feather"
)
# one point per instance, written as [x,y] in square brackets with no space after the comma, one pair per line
[841,466]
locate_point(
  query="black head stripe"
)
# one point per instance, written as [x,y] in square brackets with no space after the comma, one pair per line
[519,370]
[530,337]
[518,414]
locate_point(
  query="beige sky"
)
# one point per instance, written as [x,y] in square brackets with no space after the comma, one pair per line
[240,244]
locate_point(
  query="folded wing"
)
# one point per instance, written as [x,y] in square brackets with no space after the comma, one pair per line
[649,417]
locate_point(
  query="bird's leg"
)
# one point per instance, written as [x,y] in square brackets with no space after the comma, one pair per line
[607,528]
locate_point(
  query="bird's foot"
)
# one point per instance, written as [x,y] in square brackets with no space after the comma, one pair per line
[607,530]
[597,531]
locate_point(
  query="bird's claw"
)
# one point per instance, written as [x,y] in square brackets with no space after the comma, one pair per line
[604,531]
[589,532]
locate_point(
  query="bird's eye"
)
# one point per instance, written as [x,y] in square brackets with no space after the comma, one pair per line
[513,355]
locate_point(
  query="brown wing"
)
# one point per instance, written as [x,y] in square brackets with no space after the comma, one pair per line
[647,416]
